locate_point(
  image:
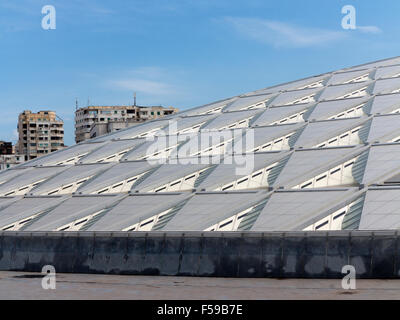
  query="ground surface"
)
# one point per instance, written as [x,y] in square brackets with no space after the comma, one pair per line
[24,285]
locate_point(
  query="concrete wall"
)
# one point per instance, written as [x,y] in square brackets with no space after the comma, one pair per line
[219,254]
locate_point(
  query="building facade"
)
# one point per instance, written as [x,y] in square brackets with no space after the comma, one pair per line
[6,147]
[98,120]
[100,128]
[39,133]
[10,160]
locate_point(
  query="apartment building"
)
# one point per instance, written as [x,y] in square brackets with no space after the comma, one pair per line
[39,133]
[93,121]
[8,158]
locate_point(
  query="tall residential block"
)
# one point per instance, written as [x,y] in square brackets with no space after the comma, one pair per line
[93,121]
[39,133]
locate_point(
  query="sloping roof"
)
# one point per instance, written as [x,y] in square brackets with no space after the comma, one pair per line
[280,158]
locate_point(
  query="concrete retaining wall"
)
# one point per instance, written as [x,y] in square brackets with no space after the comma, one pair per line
[219,254]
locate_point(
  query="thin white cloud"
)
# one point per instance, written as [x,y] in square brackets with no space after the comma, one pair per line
[149,72]
[144,86]
[369,29]
[280,34]
[151,80]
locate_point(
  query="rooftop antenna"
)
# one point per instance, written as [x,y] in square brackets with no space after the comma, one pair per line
[134,99]
[76,103]
[88,102]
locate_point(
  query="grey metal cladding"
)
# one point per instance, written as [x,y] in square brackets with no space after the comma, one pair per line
[293,210]
[272,115]
[71,210]
[343,77]
[287,98]
[381,210]
[207,107]
[386,103]
[326,109]
[167,173]
[387,72]
[263,135]
[34,176]
[384,128]
[296,138]
[110,149]
[69,176]
[117,173]
[229,118]
[383,163]
[386,85]
[248,101]
[63,155]
[337,91]
[27,207]
[228,172]
[318,132]
[136,208]
[133,132]
[305,164]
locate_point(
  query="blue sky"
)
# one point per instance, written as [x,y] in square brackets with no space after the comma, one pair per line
[180,53]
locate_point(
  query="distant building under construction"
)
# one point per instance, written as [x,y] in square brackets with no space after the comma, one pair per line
[94,121]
